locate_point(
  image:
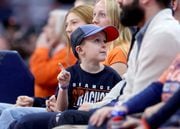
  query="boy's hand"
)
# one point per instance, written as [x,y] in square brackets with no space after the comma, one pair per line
[24,101]
[64,77]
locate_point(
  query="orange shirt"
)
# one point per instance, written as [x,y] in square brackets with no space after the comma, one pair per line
[45,69]
[116,55]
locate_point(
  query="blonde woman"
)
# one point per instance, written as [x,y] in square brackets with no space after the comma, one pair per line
[107,12]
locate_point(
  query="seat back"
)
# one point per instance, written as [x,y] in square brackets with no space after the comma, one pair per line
[15,77]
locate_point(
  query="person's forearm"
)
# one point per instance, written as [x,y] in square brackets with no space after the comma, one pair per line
[165,112]
[150,96]
[111,96]
[62,100]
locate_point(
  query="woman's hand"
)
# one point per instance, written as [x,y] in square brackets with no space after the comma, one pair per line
[24,101]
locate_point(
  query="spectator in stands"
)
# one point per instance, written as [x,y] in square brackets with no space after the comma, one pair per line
[107,12]
[149,20]
[77,89]
[52,40]
[50,49]
[159,91]
[154,120]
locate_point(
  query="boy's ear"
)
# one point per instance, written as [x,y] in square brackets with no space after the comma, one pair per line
[79,50]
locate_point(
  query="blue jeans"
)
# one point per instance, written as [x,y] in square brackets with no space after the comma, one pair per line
[13,113]
[33,121]
[103,126]
[4,106]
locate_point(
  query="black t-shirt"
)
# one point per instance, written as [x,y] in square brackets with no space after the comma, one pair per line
[88,87]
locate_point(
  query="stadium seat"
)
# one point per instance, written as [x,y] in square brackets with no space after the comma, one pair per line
[15,77]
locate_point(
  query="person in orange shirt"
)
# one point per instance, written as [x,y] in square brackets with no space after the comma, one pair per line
[107,12]
[51,48]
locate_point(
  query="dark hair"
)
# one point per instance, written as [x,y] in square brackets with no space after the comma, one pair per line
[164,3]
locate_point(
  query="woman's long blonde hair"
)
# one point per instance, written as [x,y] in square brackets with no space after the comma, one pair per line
[113,12]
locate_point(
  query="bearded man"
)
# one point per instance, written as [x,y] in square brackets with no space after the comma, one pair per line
[152,52]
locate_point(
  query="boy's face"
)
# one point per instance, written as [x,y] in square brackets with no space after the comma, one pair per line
[93,48]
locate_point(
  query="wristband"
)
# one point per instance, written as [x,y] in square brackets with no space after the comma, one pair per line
[62,87]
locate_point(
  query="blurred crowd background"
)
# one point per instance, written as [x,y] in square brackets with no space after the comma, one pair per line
[21,21]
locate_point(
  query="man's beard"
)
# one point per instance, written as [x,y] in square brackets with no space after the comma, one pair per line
[131,14]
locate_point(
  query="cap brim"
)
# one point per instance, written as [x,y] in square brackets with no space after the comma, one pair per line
[111,33]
